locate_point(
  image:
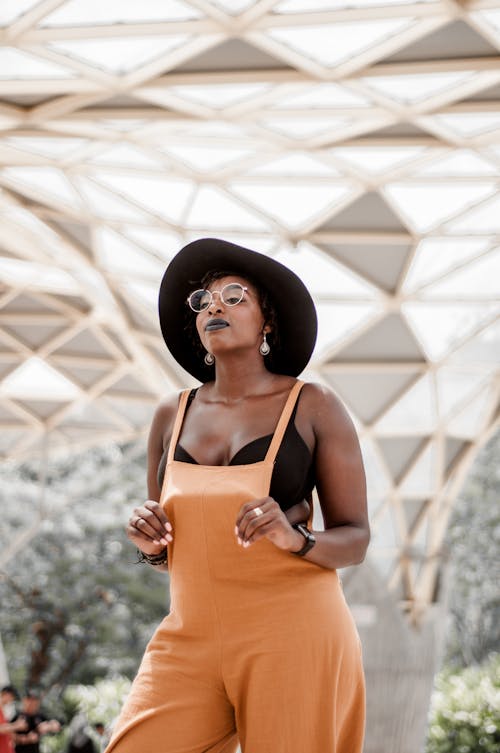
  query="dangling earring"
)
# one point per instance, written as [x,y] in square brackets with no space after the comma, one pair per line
[209,359]
[265,348]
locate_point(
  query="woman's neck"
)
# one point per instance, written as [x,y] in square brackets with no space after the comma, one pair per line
[238,379]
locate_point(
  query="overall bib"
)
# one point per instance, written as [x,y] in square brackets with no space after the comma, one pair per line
[259,646]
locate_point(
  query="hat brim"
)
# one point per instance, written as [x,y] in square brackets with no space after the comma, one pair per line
[293,303]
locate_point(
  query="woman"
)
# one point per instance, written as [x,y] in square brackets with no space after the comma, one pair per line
[259,645]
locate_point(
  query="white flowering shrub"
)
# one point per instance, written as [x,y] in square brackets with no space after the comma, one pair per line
[97,703]
[465,710]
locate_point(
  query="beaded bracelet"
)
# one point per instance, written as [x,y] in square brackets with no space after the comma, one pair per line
[153,559]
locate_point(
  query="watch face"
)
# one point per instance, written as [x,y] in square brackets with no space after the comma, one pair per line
[305,532]
[308,536]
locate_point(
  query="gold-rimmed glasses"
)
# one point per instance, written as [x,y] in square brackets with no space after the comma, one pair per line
[230,295]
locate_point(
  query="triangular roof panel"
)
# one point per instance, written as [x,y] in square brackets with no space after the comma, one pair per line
[96,13]
[452,41]
[369,394]
[415,412]
[440,326]
[35,376]
[213,208]
[233,55]
[390,339]
[381,264]
[331,45]
[293,205]
[399,452]
[368,212]
[119,56]
[426,205]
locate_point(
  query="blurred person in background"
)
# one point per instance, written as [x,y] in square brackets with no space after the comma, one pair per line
[80,736]
[102,735]
[8,696]
[37,724]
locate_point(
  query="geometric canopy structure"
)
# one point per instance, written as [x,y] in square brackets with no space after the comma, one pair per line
[358,143]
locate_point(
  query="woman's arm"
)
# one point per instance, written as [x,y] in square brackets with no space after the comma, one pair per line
[340,482]
[148,527]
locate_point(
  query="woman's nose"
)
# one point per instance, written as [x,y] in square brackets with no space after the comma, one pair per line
[216,304]
[215,308]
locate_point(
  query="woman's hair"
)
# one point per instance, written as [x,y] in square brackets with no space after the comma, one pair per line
[265,302]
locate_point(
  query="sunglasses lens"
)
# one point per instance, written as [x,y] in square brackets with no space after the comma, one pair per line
[200,300]
[232,294]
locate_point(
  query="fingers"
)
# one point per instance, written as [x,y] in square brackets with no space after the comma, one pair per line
[255,519]
[145,542]
[247,511]
[149,523]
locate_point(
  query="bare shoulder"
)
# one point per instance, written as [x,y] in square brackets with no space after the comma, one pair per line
[163,419]
[159,436]
[327,412]
[167,407]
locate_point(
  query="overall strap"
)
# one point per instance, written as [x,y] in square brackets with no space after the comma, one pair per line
[283,421]
[177,424]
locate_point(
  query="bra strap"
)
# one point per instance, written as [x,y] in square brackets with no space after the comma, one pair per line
[283,421]
[177,424]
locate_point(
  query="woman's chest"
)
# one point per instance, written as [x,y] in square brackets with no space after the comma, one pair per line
[214,435]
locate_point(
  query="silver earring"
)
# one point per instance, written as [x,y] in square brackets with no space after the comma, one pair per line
[265,348]
[209,359]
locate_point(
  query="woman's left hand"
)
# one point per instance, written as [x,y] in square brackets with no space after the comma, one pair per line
[272,524]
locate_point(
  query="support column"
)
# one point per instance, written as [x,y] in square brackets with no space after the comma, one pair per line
[400,663]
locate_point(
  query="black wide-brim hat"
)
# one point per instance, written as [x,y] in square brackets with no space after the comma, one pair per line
[296,314]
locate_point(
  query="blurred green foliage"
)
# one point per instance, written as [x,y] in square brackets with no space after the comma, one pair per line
[465,706]
[75,606]
[473,543]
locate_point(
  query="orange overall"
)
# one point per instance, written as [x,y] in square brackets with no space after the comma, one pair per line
[259,646]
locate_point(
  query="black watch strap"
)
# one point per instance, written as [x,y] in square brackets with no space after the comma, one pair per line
[309,537]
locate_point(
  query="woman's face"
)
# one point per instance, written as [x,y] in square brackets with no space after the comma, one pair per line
[223,328]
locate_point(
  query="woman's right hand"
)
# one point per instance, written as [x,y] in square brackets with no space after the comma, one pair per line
[149,528]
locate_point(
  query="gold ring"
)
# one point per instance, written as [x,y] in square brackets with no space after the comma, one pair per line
[258,511]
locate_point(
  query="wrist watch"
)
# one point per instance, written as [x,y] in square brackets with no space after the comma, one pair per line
[310,539]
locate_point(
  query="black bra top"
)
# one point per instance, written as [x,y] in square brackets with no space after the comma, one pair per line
[293,474]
